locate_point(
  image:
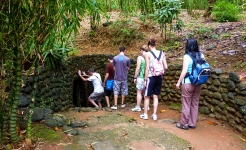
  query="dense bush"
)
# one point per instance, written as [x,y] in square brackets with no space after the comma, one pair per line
[124,32]
[224,11]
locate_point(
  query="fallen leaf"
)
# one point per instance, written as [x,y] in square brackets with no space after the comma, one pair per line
[211,123]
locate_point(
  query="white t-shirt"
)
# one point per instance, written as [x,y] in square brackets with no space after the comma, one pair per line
[97,82]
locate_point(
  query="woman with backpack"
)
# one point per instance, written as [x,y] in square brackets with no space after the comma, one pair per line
[155,66]
[139,77]
[190,92]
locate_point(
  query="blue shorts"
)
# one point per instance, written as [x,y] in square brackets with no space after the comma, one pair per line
[120,86]
[153,86]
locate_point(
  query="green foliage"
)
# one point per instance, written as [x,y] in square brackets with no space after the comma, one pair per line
[146,6]
[124,32]
[179,25]
[225,35]
[171,45]
[203,32]
[95,18]
[194,4]
[30,30]
[215,36]
[224,11]
[165,11]
[55,57]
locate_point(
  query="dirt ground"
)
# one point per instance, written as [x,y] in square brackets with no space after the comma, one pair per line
[210,134]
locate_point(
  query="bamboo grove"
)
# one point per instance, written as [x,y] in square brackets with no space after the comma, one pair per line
[40,32]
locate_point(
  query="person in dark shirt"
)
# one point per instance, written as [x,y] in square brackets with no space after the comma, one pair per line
[108,76]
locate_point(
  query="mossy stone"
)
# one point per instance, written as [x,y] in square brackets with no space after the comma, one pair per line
[212,88]
[234,77]
[204,110]
[240,101]
[242,110]
[231,86]
[204,92]
[231,95]
[216,82]
[217,96]
[224,80]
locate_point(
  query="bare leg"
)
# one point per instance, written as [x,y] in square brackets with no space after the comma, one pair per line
[115,99]
[107,100]
[155,103]
[139,98]
[100,104]
[146,104]
[93,102]
[122,99]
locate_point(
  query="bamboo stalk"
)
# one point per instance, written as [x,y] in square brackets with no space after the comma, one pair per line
[17,86]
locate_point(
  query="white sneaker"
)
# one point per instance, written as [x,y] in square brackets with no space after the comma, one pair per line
[154,117]
[123,105]
[144,116]
[143,108]
[136,109]
[114,107]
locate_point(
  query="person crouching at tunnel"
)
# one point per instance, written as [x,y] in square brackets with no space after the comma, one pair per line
[98,93]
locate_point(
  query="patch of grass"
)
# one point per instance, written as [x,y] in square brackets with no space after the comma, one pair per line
[40,131]
[73,52]
[175,106]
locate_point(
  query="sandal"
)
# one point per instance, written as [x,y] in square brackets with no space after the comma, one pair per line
[186,127]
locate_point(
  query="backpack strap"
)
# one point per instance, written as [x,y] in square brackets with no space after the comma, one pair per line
[155,56]
[98,78]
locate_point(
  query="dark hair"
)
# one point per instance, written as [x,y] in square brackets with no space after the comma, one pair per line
[152,42]
[191,46]
[144,48]
[122,48]
[91,70]
[110,57]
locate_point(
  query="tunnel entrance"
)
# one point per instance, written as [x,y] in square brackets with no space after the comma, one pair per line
[79,93]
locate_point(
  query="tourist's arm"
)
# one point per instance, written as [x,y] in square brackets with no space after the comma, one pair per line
[147,58]
[81,76]
[128,64]
[183,73]
[105,79]
[137,68]
[164,61]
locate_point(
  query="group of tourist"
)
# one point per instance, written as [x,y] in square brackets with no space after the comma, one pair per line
[150,68]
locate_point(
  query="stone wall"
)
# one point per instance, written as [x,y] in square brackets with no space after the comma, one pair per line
[54,90]
[223,97]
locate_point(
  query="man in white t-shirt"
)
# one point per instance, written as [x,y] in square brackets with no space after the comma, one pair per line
[98,92]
